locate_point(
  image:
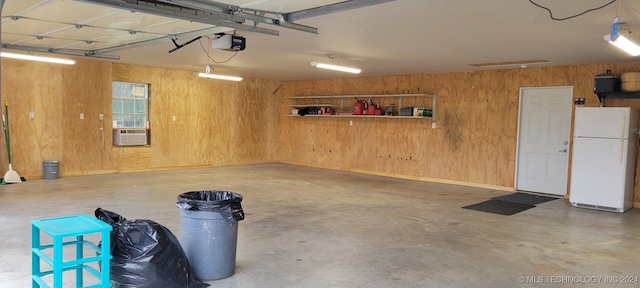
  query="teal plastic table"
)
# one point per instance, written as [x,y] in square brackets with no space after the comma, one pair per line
[74,227]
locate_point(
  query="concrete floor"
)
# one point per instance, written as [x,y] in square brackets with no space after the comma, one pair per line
[309,227]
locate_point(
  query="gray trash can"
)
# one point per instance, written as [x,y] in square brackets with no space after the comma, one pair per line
[209,231]
[50,169]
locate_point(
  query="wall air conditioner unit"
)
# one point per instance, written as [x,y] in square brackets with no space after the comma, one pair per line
[129,137]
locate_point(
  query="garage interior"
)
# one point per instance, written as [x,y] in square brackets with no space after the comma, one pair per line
[339,201]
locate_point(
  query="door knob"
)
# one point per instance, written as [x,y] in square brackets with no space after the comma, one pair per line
[563,150]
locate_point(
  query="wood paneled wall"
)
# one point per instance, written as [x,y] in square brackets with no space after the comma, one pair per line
[475,138]
[221,123]
[217,122]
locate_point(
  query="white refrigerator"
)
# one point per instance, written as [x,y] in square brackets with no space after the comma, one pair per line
[604,158]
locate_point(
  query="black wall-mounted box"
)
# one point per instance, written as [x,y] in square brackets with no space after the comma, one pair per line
[605,83]
[406,111]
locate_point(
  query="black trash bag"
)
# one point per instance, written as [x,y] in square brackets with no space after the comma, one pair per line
[228,204]
[146,254]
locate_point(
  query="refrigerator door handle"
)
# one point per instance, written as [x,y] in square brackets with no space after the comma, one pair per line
[623,126]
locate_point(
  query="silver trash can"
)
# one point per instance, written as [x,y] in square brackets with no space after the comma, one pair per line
[209,231]
[50,169]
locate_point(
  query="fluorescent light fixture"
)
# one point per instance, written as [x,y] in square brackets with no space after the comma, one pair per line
[37,58]
[336,67]
[208,74]
[522,64]
[221,77]
[625,44]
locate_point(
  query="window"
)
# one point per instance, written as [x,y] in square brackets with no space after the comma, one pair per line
[130,104]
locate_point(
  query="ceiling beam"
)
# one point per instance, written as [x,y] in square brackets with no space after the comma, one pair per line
[179,13]
[143,43]
[278,22]
[239,14]
[71,52]
[99,53]
[216,12]
[331,8]
[254,15]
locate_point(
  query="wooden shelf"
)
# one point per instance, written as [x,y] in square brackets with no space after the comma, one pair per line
[342,106]
[362,96]
[364,116]
[311,105]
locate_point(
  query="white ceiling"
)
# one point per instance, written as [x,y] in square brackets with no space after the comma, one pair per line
[393,38]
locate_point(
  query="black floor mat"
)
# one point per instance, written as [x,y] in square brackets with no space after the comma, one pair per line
[524,198]
[499,207]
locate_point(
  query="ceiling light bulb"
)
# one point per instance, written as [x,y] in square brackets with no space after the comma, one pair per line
[336,67]
[37,58]
[207,74]
[221,77]
[625,44]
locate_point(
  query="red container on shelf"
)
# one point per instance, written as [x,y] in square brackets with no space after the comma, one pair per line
[359,107]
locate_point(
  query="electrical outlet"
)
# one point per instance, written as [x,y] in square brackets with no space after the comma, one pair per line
[81,116]
[101,116]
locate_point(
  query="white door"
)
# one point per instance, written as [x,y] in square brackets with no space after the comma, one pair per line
[544,129]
